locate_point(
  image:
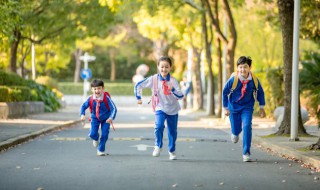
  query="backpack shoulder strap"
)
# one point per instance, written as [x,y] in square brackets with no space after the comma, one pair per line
[155,84]
[255,80]
[90,103]
[235,81]
[105,94]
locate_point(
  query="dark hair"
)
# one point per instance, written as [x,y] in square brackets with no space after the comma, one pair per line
[165,58]
[97,82]
[243,60]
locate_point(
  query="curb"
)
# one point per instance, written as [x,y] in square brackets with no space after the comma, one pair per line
[288,151]
[26,137]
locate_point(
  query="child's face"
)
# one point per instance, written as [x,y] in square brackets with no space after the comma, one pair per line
[244,70]
[97,91]
[164,68]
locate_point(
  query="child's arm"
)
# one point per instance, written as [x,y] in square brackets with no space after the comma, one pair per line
[84,106]
[175,89]
[113,110]
[145,83]
[225,93]
[261,100]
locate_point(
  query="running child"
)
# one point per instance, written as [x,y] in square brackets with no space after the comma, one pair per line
[238,103]
[103,112]
[166,93]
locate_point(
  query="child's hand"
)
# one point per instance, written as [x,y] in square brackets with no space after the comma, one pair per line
[109,120]
[226,112]
[140,102]
[262,113]
[170,87]
[83,117]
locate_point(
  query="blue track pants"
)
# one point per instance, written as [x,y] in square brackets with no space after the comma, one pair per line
[242,121]
[172,123]
[94,133]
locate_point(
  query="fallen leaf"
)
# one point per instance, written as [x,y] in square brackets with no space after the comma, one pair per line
[175,185]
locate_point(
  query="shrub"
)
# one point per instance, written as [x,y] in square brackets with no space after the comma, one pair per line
[19,94]
[10,79]
[4,94]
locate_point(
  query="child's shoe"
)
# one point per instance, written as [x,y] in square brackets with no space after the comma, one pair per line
[234,138]
[95,143]
[100,153]
[156,151]
[246,157]
[172,156]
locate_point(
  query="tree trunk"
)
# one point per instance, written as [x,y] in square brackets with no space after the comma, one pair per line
[315,146]
[219,59]
[232,39]
[13,50]
[286,12]
[160,48]
[113,65]
[210,88]
[196,80]
[77,55]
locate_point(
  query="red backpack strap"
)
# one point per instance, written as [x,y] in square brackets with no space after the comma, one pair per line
[90,103]
[105,94]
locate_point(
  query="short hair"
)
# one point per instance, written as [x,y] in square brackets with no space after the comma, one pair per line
[165,58]
[97,82]
[243,60]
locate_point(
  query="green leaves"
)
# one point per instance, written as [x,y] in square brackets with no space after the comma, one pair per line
[309,75]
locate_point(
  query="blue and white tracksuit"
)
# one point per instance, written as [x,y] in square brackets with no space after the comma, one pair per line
[167,108]
[104,114]
[241,111]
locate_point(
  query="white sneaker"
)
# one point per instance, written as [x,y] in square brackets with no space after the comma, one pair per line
[172,156]
[246,157]
[156,151]
[234,138]
[100,153]
[95,143]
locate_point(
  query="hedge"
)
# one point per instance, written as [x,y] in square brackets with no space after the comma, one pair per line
[115,88]
[15,94]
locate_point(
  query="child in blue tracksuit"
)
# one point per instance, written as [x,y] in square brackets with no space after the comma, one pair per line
[168,91]
[103,113]
[239,104]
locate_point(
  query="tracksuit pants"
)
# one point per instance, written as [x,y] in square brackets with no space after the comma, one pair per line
[94,133]
[242,120]
[172,124]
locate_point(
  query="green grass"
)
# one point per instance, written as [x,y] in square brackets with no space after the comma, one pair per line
[114,88]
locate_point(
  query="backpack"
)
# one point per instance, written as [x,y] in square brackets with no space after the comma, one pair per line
[105,94]
[236,79]
[155,98]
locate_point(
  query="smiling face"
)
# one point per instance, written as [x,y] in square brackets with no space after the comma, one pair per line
[164,67]
[97,91]
[244,70]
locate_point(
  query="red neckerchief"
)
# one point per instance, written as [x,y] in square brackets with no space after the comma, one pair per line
[166,90]
[98,108]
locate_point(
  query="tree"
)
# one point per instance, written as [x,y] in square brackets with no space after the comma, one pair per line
[46,21]
[310,82]
[286,11]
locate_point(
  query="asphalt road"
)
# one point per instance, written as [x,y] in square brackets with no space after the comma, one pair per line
[206,160]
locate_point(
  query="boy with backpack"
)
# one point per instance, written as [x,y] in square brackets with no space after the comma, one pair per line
[103,111]
[238,99]
[166,92]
